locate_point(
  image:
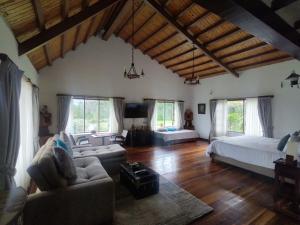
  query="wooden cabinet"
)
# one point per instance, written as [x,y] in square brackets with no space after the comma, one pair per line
[139,137]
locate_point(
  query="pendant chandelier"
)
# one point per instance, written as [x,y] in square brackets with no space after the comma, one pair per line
[132,73]
[193,80]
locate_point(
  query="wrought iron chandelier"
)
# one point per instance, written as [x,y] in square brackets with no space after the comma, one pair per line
[132,73]
[193,80]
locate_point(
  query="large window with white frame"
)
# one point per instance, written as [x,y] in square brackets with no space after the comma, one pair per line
[165,114]
[88,115]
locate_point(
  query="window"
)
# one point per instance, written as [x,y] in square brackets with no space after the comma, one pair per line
[165,114]
[89,114]
[235,116]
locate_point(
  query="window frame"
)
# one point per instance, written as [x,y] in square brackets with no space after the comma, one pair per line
[173,111]
[236,132]
[98,113]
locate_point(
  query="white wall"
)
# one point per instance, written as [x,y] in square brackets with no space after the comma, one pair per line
[255,82]
[9,46]
[96,68]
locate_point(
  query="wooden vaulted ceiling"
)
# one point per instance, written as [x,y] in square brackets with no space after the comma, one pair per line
[164,30]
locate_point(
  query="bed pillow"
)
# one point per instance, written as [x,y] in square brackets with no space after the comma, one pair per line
[171,129]
[283,142]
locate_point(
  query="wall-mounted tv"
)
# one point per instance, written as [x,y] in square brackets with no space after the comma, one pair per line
[136,110]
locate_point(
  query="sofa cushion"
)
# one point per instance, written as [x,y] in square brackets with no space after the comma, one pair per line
[65,164]
[88,169]
[43,169]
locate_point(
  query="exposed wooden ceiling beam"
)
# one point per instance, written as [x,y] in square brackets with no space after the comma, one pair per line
[39,14]
[189,67]
[136,11]
[253,56]
[76,37]
[258,19]
[212,74]
[234,43]
[188,36]
[147,21]
[177,55]
[195,21]
[120,12]
[218,23]
[88,32]
[58,29]
[250,48]
[48,54]
[169,49]
[163,26]
[297,25]
[64,13]
[161,42]
[198,71]
[223,36]
[180,14]
[184,61]
[278,4]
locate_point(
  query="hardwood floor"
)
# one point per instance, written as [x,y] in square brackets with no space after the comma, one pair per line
[237,196]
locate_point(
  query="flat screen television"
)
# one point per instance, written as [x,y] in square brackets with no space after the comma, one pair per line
[136,110]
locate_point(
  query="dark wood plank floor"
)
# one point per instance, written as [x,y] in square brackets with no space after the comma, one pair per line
[237,196]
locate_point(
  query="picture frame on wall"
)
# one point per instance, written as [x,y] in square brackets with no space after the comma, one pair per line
[201,108]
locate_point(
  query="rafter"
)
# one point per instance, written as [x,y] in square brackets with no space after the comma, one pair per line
[180,14]
[119,13]
[136,11]
[223,36]
[253,56]
[163,26]
[84,4]
[76,37]
[60,28]
[64,13]
[39,14]
[163,41]
[48,54]
[196,65]
[88,32]
[188,36]
[147,21]
[169,49]
[234,43]
[177,55]
[185,61]
[198,71]
[195,21]
[218,23]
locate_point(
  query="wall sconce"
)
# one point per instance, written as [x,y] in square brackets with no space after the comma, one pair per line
[293,79]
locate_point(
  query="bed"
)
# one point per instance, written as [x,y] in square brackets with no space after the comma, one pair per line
[256,154]
[174,137]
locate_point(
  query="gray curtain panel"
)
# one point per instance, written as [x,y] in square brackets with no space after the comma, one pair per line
[265,115]
[36,117]
[10,88]
[151,105]
[181,113]
[213,106]
[63,109]
[119,112]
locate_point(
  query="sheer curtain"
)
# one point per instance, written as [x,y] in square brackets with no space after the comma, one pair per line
[221,118]
[252,122]
[179,114]
[154,117]
[113,123]
[26,149]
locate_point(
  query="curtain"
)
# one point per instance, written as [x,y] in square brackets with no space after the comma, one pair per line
[180,114]
[221,118]
[151,105]
[27,134]
[154,125]
[36,117]
[252,122]
[118,107]
[10,87]
[63,109]
[213,106]
[265,115]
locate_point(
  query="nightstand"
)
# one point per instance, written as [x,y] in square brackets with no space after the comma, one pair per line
[287,189]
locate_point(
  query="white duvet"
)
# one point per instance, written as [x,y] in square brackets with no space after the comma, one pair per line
[176,135]
[258,151]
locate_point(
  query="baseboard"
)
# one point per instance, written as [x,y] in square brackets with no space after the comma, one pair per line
[204,139]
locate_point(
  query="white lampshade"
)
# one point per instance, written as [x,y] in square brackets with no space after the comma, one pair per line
[292,149]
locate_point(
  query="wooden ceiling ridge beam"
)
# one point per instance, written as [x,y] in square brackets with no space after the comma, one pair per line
[136,11]
[279,4]
[177,55]
[147,21]
[256,18]
[196,65]
[60,28]
[223,36]
[121,10]
[163,26]
[169,49]
[198,71]
[161,42]
[188,36]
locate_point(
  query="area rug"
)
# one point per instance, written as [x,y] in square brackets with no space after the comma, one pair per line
[171,206]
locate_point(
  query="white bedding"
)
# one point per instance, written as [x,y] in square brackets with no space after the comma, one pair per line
[176,135]
[258,151]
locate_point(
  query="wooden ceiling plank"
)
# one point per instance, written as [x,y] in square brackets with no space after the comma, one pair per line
[189,67]
[136,11]
[65,13]
[76,37]
[151,35]
[223,36]
[161,42]
[169,49]
[252,56]
[123,8]
[88,32]
[188,8]
[146,22]
[198,71]
[188,36]
[258,19]
[279,4]
[197,20]
[58,29]
[177,55]
[250,48]
[209,75]
[184,61]
[40,18]
[235,43]
[218,23]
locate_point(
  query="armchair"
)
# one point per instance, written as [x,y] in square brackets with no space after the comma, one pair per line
[119,138]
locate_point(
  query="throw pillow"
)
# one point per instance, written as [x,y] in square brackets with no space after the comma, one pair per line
[283,142]
[65,164]
[60,144]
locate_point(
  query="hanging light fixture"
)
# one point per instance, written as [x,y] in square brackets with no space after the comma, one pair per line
[193,80]
[293,80]
[132,73]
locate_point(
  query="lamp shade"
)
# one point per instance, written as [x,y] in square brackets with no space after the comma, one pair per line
[292,148]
